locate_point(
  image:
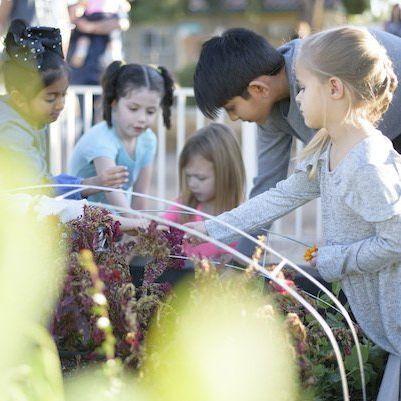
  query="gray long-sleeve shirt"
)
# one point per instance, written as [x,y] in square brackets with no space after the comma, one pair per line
[361,217]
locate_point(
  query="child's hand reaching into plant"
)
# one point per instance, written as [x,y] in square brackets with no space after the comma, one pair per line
[197,226]
[130,225]
[311,255]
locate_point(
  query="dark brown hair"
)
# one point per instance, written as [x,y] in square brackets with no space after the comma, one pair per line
[120,78]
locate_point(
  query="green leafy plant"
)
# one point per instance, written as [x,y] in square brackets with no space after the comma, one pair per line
[322,361]
[356,6]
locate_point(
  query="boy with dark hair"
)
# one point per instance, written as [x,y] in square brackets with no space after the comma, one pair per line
[242,73]
[223,71]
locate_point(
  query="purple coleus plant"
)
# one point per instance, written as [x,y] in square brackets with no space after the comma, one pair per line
[73,324]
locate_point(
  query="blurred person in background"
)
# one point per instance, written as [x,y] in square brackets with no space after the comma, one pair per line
[96,39]
[111,45]
[302,30]
[393,25]
[37,12]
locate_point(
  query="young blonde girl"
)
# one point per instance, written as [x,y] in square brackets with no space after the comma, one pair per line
[346,84]
[212,177]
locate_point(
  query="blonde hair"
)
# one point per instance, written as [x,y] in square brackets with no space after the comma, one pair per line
[355,57]
[217,144]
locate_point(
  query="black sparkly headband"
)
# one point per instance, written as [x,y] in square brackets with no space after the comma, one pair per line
[28,45]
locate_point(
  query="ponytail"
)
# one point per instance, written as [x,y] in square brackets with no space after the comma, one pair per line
[109,85]
[383,88]
[167,100]
[316,146]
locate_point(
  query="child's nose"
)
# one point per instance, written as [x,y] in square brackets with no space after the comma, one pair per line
[60,103]
[191,183]
[141,115]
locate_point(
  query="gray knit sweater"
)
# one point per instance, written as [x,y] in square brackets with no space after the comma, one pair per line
[361,217]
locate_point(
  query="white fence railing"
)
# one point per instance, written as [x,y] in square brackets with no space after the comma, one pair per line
[304,223]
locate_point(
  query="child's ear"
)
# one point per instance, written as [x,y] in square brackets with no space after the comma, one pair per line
[336,88]
[259,87]
[17,99]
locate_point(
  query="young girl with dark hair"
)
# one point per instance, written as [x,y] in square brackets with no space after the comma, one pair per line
[36,81]
[132,96]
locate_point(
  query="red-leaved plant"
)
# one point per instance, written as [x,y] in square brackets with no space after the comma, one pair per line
[73,325]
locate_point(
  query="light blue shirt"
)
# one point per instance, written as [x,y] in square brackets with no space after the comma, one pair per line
[103,141]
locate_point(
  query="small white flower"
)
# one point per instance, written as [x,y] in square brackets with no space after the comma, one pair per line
[99,299]
[103,322]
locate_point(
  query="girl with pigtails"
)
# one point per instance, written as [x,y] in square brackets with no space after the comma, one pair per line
[132,96]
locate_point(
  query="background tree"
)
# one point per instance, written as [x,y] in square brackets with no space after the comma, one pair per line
[356,6]
[311,11]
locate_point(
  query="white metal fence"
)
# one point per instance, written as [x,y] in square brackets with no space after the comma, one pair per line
[303,224]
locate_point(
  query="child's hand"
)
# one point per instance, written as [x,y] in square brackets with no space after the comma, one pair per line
[113,177]
[198,226]
[130,225]
[311,255]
